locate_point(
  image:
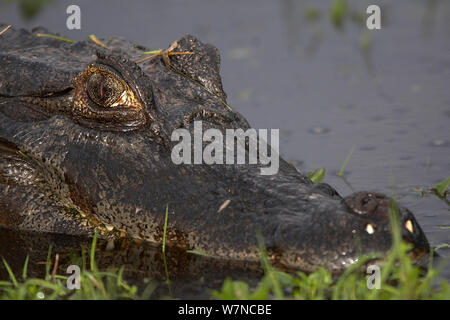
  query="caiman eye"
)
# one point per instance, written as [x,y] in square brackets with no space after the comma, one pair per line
[105,89]
[103,99]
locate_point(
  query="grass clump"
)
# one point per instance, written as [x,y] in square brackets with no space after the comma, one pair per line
[399,278]
[94,284]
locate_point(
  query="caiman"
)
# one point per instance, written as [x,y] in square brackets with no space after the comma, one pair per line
[85,146]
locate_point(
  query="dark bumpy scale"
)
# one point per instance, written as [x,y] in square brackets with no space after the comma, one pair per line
[85,145]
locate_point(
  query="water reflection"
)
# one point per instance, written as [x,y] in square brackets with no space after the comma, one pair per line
[300,17]
[305,24]
[29,8]
[429,17]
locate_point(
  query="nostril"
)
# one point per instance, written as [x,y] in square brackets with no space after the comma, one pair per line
[368,203]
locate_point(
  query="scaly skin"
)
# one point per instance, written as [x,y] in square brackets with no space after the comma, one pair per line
[74,160]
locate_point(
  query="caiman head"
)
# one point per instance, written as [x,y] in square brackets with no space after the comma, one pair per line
[85,144]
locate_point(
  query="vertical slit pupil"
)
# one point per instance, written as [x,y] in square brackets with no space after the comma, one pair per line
[104,90]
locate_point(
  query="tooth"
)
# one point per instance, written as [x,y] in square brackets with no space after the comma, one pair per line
[370,229]
[409,226]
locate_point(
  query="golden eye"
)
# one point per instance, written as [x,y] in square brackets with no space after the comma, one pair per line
[105,89]
[103,99]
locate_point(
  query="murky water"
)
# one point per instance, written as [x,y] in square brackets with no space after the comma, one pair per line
[286,66]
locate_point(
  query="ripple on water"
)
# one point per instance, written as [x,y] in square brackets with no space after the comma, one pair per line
[319,130]
[439,143]
[367,148]
[378,118]
[405,157]
[400,131]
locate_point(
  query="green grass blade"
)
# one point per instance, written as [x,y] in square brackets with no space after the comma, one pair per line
[10,273]
[153,51]
[52,36]
[268,270]
[317,175]
[92,253]
[165,230]
[25,268]
[198,252]
[347,159]
[442,187]
[48,263]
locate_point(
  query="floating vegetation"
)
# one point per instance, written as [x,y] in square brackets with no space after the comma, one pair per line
[52,36]
[442,187]
[164,54]
[95,40]
[5,29]
[317,175]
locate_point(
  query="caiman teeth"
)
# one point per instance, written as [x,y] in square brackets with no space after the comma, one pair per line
[409,226]
[370,229]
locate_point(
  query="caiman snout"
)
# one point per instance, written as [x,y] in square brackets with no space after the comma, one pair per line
[380,209]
